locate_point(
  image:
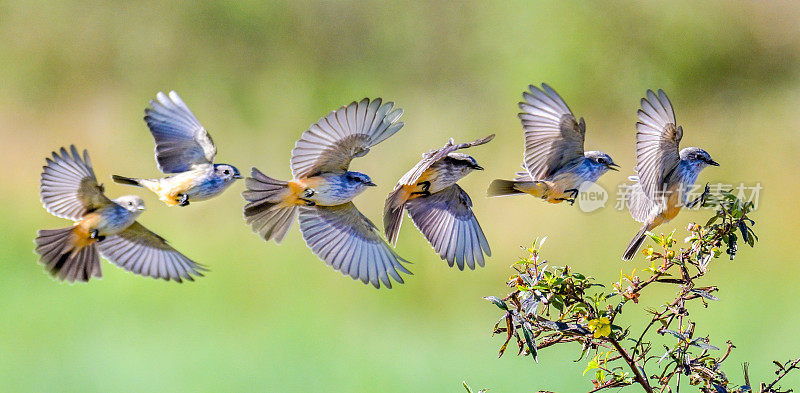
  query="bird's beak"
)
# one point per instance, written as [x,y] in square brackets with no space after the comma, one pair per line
[370,184]
[237,176]
[140,207]
[477,167]
[712,162]
[613,166]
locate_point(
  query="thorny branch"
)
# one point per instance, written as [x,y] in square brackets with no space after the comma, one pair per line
[552,305]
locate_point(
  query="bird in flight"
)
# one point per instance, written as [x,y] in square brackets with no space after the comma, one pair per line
[439,207]
[665,175]
[184,151]
[556,166]
[103,226]
[322,190]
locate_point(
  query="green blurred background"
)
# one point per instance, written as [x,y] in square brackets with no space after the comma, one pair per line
[273,317]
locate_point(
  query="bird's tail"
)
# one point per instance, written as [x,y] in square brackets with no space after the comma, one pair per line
[273,205]
[63,255]
[500,187]
[635,243]
[127,180]
[393,213]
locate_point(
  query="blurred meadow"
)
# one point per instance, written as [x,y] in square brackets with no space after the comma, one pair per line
[275,318]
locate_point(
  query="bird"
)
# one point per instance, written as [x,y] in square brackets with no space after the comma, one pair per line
[184,150]
[321,193]
[665,176]
[555,164]
[439,207]
[69,189]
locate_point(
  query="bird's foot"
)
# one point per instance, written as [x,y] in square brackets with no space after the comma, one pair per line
[701,200]
[308,202]
[573,192]
[426,185]
[183,200]
[422,193]
[570,200]
[309,192]
[94,234]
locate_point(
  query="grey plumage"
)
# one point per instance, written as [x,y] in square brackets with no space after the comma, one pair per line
[322,189]
[181,141]
[447,221]
[665,175]
[69,189]
[439,208]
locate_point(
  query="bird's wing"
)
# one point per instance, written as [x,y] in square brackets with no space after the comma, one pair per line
[349,242]
[447,221]
[431,157]
[348,132]
[181,141]
[657,140]
[553,136]
[69,188]
[140,251]
[639,205]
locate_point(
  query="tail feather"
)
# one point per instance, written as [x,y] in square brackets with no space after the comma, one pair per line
[270,212]
[63,259]
[500,187]
[126,180]
[635,244]
[393,213]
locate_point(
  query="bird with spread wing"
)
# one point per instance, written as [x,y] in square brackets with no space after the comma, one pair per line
[556,166]
[439,207]
[665,176]
[69,189]
[322,190]
[185,151]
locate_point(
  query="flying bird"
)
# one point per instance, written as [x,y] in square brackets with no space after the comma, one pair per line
[665,176]
[322,189]
[102,226]
[184,151]
[555,164]
[439,207]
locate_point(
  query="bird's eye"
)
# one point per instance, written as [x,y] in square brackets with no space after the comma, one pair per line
[601,160]
[130,203]
[227,172]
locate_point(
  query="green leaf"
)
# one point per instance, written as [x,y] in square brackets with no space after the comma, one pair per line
[530,342]
[701,343]
[497,302]
[677,335]
[704,294]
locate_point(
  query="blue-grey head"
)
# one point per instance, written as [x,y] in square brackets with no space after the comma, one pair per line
[228,173]
[696,158]
[600,162]
[461,160]
[131,203]
[357,180]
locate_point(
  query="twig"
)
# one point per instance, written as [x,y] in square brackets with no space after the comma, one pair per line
[632,364]
[782,374]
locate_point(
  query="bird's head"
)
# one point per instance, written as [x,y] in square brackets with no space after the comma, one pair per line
[601,160]
[358,179]
[227,172]
[464,161]
[131,203]
[697,158]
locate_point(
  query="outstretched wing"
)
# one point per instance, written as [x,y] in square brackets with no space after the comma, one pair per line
[181,141]
[639,205]
[657,140]
[333,141]
[553,137]
[447,221]
[140,251]
[349,242]
[433,156]
[69,188]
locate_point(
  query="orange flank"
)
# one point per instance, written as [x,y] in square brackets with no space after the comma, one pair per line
[81,230]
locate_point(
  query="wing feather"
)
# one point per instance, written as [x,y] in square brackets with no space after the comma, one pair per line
[69,188]
[553,136]
[657,140]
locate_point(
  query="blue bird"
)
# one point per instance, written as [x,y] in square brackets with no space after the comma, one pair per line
[184,150]
[665,176]
[69,189]
[555,163]
[322,189]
